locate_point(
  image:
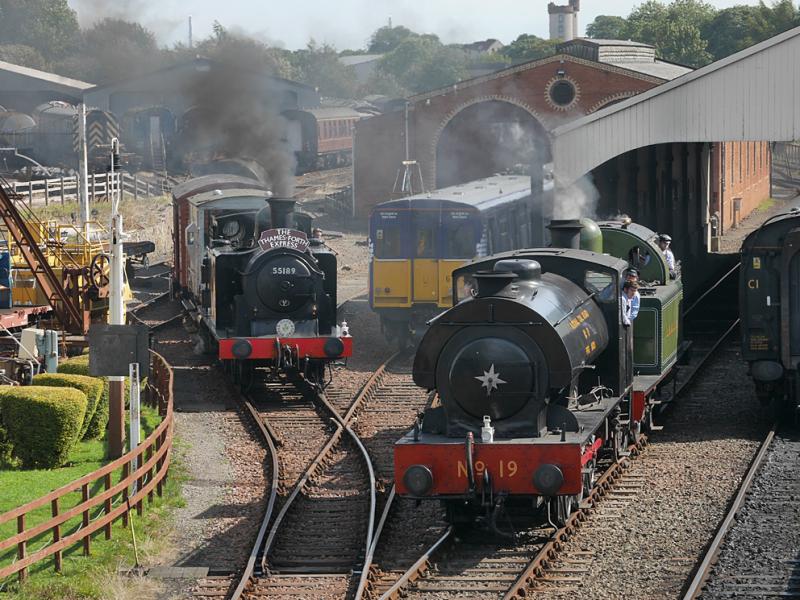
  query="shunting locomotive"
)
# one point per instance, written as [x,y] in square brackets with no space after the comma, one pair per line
[769,305]
[261,289]
[536,376]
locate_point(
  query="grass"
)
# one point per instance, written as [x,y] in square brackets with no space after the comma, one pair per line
[82,577]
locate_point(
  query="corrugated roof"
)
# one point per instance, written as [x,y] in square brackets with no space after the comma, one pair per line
[44,76]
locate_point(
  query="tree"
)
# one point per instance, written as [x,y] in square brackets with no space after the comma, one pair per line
[388,38]
[24,56]
[421,62]
[49,26]
[674,30]
[320,66]
[114,49]
[606,27]
[384,84]
[447,65]
[530,47]
[736,28]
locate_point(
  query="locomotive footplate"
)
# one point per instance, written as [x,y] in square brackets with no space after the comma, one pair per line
[512,464]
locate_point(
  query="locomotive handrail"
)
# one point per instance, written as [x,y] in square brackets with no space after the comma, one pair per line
[144,467]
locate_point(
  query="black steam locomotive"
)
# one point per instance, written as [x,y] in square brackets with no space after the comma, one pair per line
[263,289]
[535,373]
[769,305]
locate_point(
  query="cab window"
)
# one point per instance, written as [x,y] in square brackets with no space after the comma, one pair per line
[601,285]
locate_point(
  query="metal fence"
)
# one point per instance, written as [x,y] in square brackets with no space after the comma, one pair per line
[62,189]
[140,473]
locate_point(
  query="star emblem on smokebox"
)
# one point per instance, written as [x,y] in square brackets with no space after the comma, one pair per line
[490,380]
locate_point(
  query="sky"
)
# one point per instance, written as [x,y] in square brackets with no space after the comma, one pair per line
[348,23]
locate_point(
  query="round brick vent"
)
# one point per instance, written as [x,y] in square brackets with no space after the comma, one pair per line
[562,93]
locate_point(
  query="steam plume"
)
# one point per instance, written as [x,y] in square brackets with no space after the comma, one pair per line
[576,200]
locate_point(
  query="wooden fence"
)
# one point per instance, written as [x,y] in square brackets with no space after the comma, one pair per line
[142,472]
[61,189]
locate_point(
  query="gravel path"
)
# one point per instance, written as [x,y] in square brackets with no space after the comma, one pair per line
[225,488]
[645,544]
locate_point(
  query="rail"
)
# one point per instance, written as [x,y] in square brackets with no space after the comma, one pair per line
[142,473]
[712,552]
[61,189]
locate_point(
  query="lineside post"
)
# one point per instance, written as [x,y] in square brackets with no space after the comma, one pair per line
[116,309]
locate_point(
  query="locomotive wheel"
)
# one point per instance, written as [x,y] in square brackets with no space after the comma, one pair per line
[620,441]
[565,506]
[589,479]
[98,270]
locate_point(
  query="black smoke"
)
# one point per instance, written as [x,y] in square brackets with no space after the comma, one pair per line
[235,114]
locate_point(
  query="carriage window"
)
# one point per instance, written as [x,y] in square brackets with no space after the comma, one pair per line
[458,230]
[425,243]
[387,242]
[602,285]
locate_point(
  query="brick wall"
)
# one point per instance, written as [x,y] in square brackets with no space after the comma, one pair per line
[379,144]
[741,170]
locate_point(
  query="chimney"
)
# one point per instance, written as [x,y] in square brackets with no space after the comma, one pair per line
[565,233]
[280,210]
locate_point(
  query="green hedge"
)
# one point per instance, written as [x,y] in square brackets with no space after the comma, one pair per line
[92,387]
[6,449]
[79,365]
[43,423]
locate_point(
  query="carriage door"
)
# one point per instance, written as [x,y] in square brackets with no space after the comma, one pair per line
[459,233]
[425,252]
[390,269]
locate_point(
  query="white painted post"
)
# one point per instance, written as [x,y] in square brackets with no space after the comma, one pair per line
[116,312]
[135,414]
[83,170]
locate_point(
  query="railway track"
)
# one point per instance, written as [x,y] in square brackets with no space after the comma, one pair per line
[535,562]
[320,521]
[754,553]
